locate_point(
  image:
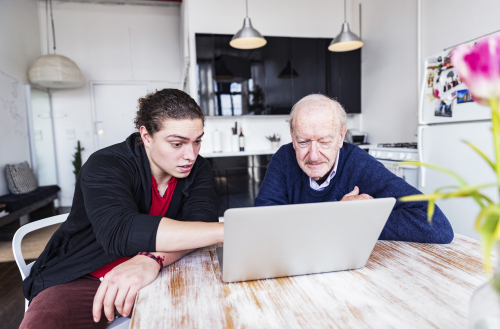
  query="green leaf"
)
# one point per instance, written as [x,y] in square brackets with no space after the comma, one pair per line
[485,198]
[430,210]
[419,197]
[484,213]
[447,187]
[475,148]
[433,166]
[461,191]
[488,237]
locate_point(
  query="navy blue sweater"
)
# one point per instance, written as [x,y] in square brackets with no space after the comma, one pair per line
[286,183]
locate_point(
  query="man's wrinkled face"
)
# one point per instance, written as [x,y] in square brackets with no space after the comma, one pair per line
[173,150]
[316,138]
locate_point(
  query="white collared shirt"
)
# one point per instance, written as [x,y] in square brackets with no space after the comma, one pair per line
[314,185]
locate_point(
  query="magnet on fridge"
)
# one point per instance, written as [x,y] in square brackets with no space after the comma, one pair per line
[464,96]
[430,98]
[430,79]
[444,109]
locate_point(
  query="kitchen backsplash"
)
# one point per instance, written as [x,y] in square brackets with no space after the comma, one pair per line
[256,128]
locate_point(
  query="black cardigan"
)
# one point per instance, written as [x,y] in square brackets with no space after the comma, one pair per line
[109,217]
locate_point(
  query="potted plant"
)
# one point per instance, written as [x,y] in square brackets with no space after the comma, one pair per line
[77,159]
[479,68]
[275,141]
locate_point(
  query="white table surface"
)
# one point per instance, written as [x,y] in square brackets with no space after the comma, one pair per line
[404,285]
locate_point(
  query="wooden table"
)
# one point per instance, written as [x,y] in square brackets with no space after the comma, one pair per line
[404,285]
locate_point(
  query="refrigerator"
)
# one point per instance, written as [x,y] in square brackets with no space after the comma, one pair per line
[447,117]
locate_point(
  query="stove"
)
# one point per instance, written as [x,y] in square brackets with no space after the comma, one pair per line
[399,145]
[390,154]
[395,152]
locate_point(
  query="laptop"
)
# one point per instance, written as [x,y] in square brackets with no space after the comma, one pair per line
[287,240]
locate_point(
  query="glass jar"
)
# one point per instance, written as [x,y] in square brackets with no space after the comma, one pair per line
[484,311]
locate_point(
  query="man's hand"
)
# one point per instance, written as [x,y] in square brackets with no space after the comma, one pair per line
[354,195]
[120,286]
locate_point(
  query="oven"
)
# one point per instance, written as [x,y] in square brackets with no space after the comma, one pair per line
[390,155]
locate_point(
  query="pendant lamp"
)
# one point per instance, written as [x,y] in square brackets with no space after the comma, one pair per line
[346,40]
[55,71]
[247,37]
[288,72]
[222,72]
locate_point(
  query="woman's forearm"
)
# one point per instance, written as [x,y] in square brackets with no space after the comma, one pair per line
[175,235]
[171,257]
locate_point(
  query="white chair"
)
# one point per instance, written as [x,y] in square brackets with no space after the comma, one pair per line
[118,323]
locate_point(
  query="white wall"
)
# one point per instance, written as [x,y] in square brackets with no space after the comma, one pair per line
[390,55]
[110,43]
[20,45]
[389,69]
[446,23]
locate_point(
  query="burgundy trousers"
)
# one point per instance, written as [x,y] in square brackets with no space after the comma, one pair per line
[67,305]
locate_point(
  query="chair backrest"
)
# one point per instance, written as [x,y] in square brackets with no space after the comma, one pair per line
[25,229]
[119,323]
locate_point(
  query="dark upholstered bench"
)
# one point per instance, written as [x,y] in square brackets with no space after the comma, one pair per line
[23,204]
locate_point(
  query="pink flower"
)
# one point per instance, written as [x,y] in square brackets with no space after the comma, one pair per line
[479,68]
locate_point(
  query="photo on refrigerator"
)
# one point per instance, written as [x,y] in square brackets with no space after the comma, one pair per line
[464,96]
[444,109]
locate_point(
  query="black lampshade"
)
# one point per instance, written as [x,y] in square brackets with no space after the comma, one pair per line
[288,72]
[222,72]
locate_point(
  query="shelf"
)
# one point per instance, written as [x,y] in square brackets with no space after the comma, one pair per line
[236,154]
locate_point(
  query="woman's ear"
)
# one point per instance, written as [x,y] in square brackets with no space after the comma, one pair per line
[145,136]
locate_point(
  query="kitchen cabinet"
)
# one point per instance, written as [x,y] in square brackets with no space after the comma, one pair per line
[233,82]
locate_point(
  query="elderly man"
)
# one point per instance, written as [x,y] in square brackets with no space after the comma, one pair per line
[318,166]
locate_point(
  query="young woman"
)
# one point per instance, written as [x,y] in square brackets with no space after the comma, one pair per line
[138,205]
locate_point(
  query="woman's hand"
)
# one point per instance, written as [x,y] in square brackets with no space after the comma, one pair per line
[120,286]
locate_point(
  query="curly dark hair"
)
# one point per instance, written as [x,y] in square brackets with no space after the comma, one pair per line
[165,104]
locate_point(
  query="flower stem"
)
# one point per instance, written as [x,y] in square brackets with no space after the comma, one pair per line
[495,118]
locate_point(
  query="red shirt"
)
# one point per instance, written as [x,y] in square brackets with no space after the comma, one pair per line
[159,206]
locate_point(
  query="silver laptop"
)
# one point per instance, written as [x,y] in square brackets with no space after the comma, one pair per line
[278,241]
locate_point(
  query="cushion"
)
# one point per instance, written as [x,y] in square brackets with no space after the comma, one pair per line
[20,178]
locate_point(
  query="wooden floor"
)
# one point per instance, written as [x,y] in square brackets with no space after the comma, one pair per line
[11,296]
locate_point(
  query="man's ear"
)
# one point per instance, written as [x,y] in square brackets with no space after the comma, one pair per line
[343,131]
[291,135]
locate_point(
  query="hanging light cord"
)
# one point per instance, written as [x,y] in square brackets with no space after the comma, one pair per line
[47,23]
[344,11]
[53,30]
[247,7]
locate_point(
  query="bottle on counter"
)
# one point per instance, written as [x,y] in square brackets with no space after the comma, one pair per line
[235,143]
[242,140]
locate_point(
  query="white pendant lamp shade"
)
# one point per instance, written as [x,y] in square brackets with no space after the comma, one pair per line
[247,37]
[345,41]
[55,71]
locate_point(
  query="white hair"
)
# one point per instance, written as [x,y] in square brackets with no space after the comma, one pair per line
[320,102]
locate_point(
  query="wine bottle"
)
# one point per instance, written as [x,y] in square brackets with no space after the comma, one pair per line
[242,140]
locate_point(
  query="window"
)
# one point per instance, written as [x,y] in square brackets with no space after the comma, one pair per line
[228,98]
